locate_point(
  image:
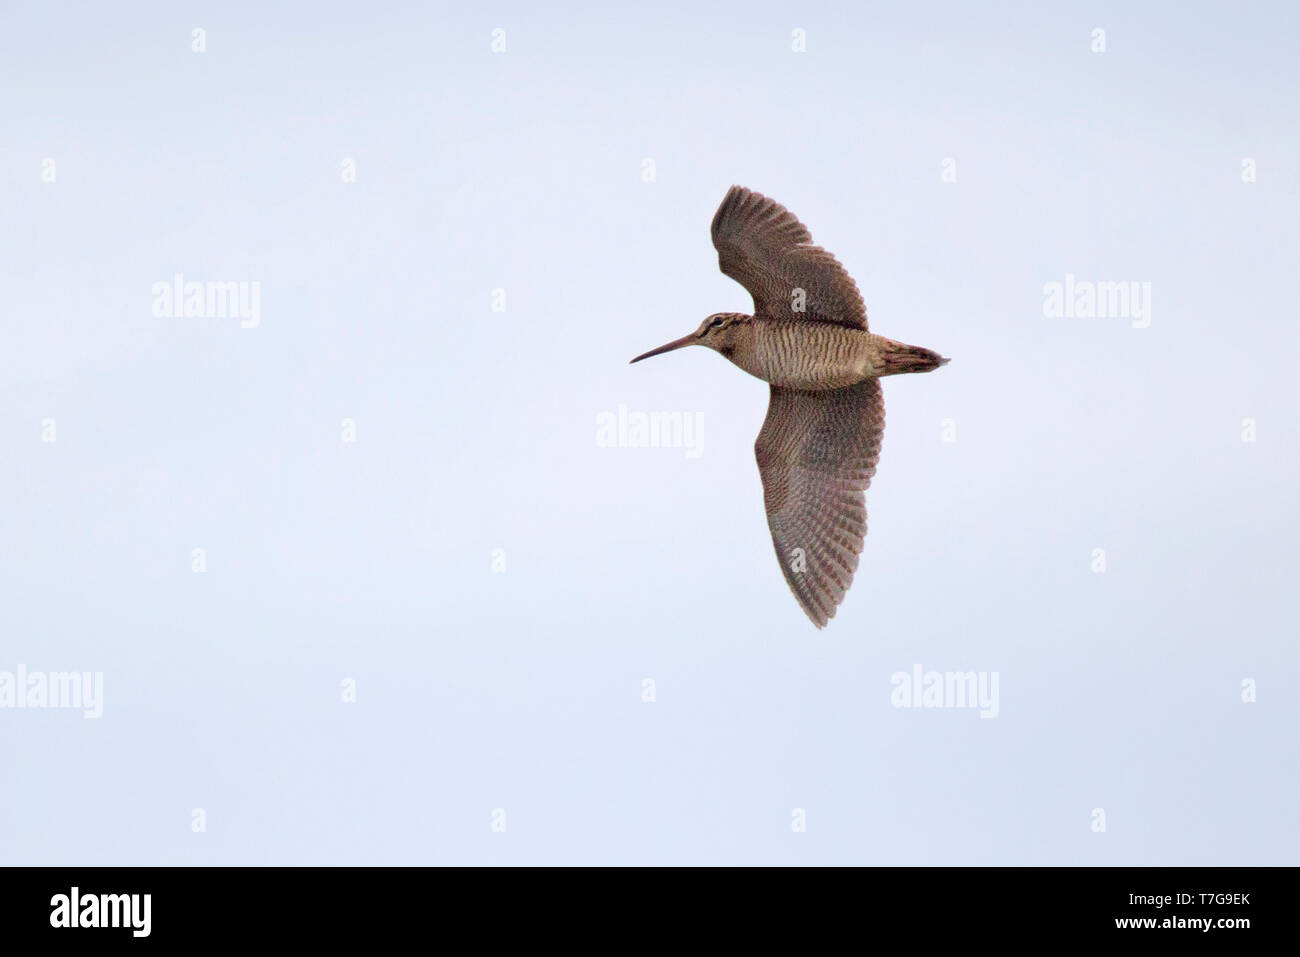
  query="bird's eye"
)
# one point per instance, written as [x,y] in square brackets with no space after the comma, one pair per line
[717,323]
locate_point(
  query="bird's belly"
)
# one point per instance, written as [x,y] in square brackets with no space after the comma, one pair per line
[812,356]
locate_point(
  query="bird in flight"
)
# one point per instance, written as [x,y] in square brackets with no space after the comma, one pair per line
[808,339]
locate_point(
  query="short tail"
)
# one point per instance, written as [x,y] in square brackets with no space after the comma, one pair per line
[900,357]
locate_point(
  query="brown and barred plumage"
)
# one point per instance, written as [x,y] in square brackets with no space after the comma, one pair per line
[808,338]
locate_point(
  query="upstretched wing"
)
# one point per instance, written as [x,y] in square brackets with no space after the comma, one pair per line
[817,452]
[767,250]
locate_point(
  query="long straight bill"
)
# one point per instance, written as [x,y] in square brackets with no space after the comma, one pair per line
[675,344]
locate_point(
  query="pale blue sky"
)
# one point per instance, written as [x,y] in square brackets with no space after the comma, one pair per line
[521,690]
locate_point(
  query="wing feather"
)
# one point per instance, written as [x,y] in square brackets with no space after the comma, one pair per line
[764,247]
[817,452]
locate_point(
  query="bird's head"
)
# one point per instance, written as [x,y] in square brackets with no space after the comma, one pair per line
[720,332]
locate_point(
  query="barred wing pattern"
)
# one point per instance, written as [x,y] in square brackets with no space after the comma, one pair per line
[764,247]
[817,452]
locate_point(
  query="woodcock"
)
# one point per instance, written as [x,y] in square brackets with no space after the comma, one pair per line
[808,338]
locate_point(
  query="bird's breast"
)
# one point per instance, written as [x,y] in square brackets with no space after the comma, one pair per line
[810,355]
